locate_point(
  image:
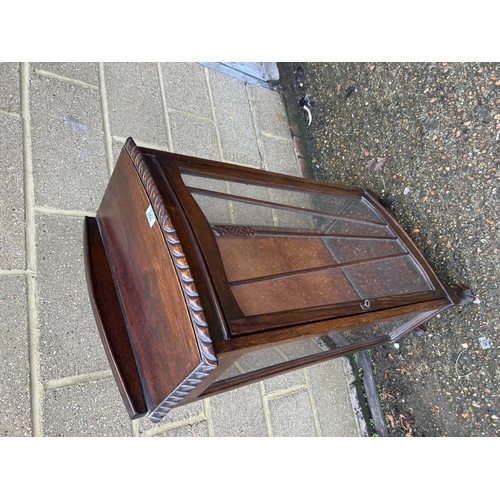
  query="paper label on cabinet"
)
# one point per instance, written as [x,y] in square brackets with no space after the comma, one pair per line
[150,215]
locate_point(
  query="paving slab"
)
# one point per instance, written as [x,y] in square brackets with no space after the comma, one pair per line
[68,148]
[329,391]
[270,111]
[87,72]
[84,410]
[79,116]
[199,429]
[69,343]
[239,413]
[234,120]
[15,407]
[284,411]
[12,213]
[135,106]
[186,89]
[279,156]
[193,136]
[268,357]
[298,377]
[10,97]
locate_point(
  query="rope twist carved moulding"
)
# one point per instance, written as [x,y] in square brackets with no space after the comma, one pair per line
[200,326]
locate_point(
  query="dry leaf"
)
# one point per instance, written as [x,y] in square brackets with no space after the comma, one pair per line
[380,163]
[415,230]
[374,165]
[386,372]
[365,150]
[404,423]
[390,357]
[390,418]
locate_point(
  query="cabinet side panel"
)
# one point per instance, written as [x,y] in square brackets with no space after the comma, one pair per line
[149,291]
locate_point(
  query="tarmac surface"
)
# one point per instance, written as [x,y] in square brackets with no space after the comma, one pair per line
[436,128]
[62,126]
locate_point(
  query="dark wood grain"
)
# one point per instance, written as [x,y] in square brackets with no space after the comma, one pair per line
[281,206]
[109,319]
[199,233]
[169,167]
[287,366]
[410,245]
[228,171]
[156,314]
[290,318]
[179,299]
[276,336]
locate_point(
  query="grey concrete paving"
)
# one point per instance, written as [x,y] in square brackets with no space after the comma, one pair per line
[62,126]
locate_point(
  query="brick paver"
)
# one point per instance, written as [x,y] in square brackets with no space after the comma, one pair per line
[62,126]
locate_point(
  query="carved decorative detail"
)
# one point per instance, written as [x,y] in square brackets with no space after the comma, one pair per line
[200,326]
[181,392]
[246,231]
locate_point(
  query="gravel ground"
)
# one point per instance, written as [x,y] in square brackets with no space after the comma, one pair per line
[438,126]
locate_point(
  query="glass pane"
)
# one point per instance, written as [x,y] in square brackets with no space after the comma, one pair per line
[271,356]
[388,277]
[299,291]
[285,208]
[356,250]
[253,257]
[280,274]
[284,249]
[386,327]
